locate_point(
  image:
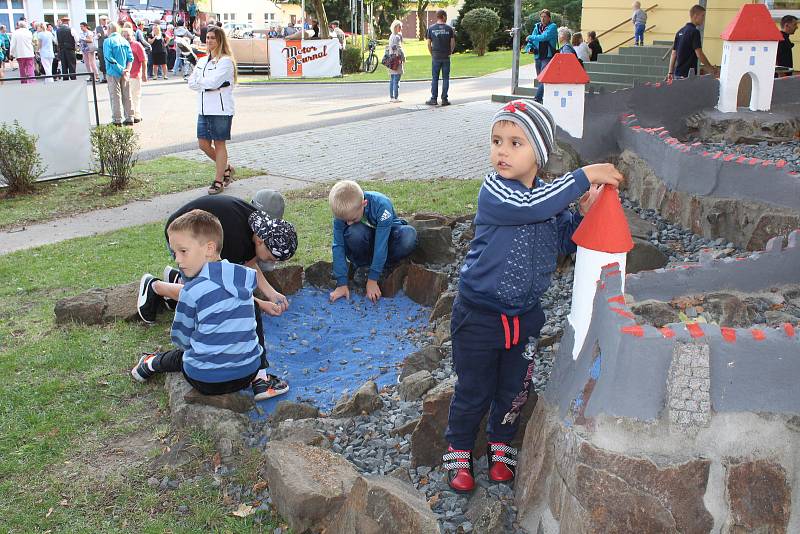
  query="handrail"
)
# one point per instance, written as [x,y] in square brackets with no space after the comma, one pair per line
[626,21]
[626,40]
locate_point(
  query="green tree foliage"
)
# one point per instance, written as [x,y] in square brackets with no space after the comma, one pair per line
[481,24]
[501,38]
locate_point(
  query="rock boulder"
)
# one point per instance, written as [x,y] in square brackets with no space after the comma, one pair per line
[434,243]
[426,359]
[380,505]
[645,256]
[293,410]
[286,279]
[99,306]
[238,402]
[424,286]
[414,386]
[307,484]
[320,274]
[365,400]
[219,423]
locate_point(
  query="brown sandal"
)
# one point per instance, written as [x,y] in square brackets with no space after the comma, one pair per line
[216,187]
[227,176]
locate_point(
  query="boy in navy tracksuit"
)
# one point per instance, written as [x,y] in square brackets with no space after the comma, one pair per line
[521,226]
[366,231]
[214,327]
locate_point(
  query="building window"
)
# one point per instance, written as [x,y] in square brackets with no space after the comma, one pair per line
[766,49]
[54,10]
[563,102]
[555,93]
[11,12]
[249,17]
[94,10]
[569,93]
[752,60]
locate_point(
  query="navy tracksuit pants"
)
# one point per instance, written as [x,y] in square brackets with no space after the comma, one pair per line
[487,355]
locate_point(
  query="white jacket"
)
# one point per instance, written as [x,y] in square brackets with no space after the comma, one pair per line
[207,79]
[21,43]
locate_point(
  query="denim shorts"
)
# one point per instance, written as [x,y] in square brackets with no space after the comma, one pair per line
[214,127]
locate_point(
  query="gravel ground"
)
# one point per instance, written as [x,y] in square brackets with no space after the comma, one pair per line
[369,441]
[788,151]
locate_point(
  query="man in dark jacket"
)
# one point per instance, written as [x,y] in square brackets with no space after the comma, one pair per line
[99,37]
[784,64]
[67,39]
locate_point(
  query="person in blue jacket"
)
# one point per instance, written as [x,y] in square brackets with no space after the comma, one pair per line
[367,232]
[543,43]
[521,226]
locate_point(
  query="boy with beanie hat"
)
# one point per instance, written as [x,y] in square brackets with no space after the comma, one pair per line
[521,226]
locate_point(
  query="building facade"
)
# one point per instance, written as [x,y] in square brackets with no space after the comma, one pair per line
[669,16]
[51,10]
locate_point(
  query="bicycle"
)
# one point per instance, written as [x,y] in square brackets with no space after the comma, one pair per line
[371,61]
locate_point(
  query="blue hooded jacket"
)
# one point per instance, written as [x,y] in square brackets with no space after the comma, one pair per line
[379,214]
[519,233]
[543,43]
[215,324]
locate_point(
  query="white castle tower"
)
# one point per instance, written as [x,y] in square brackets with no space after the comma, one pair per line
[751,44]
[565,82]
[603,237]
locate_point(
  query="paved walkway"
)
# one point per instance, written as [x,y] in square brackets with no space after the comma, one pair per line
[447,142]
[429,143]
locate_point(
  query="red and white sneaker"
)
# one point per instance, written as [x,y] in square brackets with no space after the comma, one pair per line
[460,475]
[502,461]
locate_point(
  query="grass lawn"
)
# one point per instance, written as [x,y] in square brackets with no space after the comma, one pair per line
[418,65]
[78,438]
[77,195]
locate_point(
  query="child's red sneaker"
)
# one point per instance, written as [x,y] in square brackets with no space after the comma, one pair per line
[502,461]
[458,464]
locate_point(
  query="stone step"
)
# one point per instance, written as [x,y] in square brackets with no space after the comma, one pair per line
[628,79]
[656,51]
[630,59]
[621,68]
[668,44]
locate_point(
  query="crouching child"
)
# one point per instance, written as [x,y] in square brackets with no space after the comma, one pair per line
[218,349]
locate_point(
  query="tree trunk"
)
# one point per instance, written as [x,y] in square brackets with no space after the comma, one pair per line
[422,18]
[322,19]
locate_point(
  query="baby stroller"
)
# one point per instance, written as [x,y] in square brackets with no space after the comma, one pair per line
[188,53]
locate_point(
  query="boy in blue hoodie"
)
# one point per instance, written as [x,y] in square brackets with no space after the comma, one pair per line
[521,226]
[367,232]
[214,327]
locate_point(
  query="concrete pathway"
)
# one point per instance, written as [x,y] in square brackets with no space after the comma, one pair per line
[447,142]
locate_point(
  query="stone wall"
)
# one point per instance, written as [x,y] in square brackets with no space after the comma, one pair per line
[744,200]
[683,428]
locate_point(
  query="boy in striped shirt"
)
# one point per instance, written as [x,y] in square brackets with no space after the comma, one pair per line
[521,227]
[214,327]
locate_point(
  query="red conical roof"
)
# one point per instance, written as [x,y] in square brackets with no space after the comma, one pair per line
[563,68]
[753,22]
[605,227]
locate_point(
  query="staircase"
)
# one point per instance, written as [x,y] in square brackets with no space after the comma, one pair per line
[629,66]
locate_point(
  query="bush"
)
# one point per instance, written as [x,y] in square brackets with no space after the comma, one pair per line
[500,38]
[480,23]
[351,60]
[115,148]
[20,163]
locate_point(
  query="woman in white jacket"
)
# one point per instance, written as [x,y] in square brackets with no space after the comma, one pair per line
[213,78]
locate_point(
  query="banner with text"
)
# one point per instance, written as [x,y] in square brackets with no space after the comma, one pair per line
[317,58]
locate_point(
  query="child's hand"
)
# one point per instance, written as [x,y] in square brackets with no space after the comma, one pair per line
[589,198]
[280,300]
[339,292]
[373,291]
[603,173]
[270,308]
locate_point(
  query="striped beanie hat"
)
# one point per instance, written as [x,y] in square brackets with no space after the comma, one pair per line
[535,121]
